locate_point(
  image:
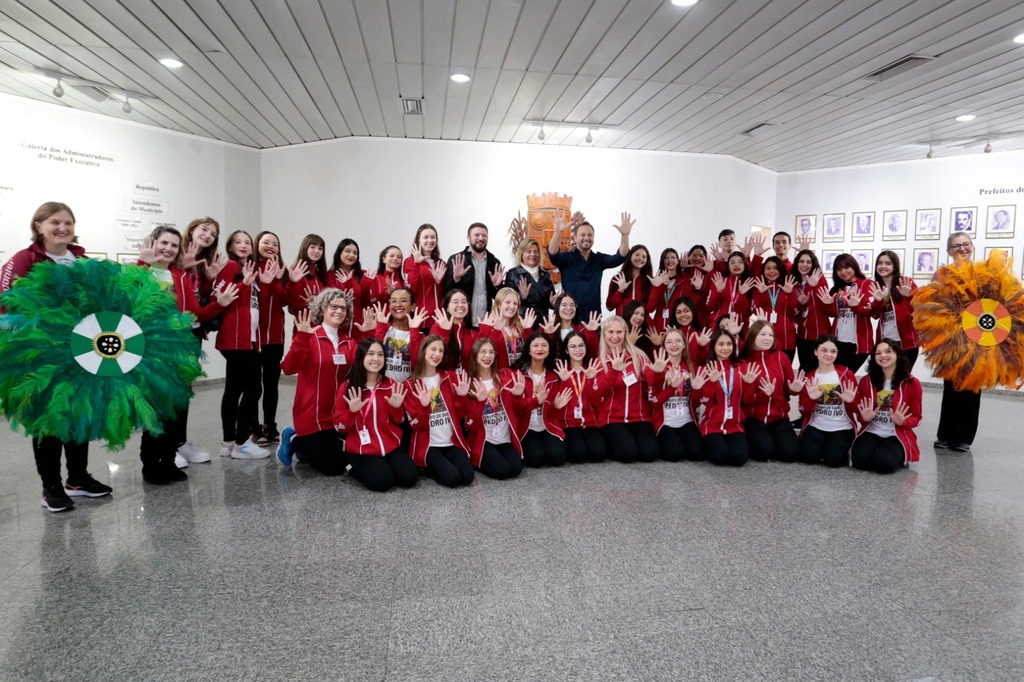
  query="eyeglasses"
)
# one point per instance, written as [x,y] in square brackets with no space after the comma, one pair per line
[337,308]
[962,246]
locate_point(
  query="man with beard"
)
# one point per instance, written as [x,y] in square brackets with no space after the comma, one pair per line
[476,272]
[581,267]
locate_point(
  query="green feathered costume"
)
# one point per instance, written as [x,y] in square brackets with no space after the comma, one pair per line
[94,351]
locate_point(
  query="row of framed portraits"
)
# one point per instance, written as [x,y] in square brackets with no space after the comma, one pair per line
[922,266]
[999,224]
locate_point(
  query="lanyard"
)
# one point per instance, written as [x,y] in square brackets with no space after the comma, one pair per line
[732,378]
[773,296]
[364,412]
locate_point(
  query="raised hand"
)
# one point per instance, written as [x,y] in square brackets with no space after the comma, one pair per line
[634,333]
[825,297]
[269,271]
[716,253]
[562,370]
[906,286]
[747,285]
[877,292]
[748,245]
[618,360]
[397,396]
[715,371]
[498,275]
[380,313]
[550,325]
[248,273]
[718,281]
[459,267]
[854,298]
[462,385]
[298,272]
[759,284]
[767,387]
[699,378]
[803,243]
[228,295]
[900,414]
[343,276]
[562,398]
[849,392]
[697,280]
[675,376]
[369,320]
[814,389]
[480,391]
[620,281]
[789,284]
[660,360]
[308,294]
[752,373]
[798,381]
[437,270]
[215,265]
[732,324]
[594,323]
[660,279]
[491,319]
[421,393]
[529,318]
[540,392]
[625,225]
[189,259]
[354,398]
[593,367]
[417,319]
[761,314]
[654,337]
[523,286]
[802,298]
[704,338]
[814,277]
[417,254]
[442,319]
[147,250]
[867,410]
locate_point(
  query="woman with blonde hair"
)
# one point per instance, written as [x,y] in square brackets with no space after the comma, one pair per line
[624,413]
[531,280]
[505,327]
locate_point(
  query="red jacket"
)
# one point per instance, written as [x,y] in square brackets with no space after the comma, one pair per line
[235,331]
[728,300]
[185,287]
[458,343]
[862,313]
[419,418]
[904,315]
[505,357]
[415,339]
[21,262]
[775,366]
[807,404]
[661,392]
[311,356]
[297,292]
[713,397]
[811,318]
[589,337]
[379,286]
[515,407]
[661,302]
[785,309]
[549,414]
[909,393]
[360,290]
[425,289]
[271,328]
[621,403]
[638,289]
[585,396]
[377,419]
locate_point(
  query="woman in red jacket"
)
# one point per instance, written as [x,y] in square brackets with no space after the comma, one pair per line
[451,325]
[239,342]
[633,281]
[686,318]
[849,303]
[496,412]
[892,306]
[889,407]
[670,284]
[388,276]
[673,411]
[769,430]
[543,440]
[321,354]
[162,251]
[773,293]
[369,410]
[731,294]
[583,439]
[271,330]
[719,385]
[308,276]
[437,404]
[624,412]
[811,319]
[827,406]
[424,269]
[346,273]
[506,328]
[560,324]
[398,327]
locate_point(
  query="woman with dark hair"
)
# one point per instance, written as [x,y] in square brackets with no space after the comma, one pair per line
[54,241]
[321,354]
[773,294]
[424,270]
[495,418]
[686,318]
[583,439]
[308,275]
[388,276]
[731,295]
[889,407]
[769,431]
[670,284]
[531,280]
[347,274]
[640,332]
[451,325]
[559,325]
[827,404]
[719,385]
[271,326]
[633,281]
[848,302]
[369,409]
[543,439]
[811,319]
[398,327]
[891,295]
[673,405]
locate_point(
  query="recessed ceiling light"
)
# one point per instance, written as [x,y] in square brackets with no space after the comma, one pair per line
[460,77]
[684,3]
[713,96]
[965,118]
[171,63]
[1019,39]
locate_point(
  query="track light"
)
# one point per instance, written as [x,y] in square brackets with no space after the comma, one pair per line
[58,91]
[988,148]
[541,135]
[127,106]
[931,153]
[590,136]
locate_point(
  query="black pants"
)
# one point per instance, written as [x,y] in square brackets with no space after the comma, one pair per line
[912,356]
[871,452]
[726,450]
[541,448]
[958,417]
[501,461]
[158,451]
[790,354]
[631,442]
[323,450]
[380,474]
[270,373]
[585,445]
[848,356]
[775,441]
[805,352]
[681,442]
[450,466]
[829,447]
[241,394]
[47,452]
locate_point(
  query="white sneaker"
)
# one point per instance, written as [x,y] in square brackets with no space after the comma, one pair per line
[180,461]
[249,450]
[226,448]
[193,453]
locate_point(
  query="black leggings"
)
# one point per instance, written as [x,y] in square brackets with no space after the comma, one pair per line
[872,452]
[501,461]
[775,441]
[158,451]
[585,445]
[241,394]
[541,448]
[726,450]
[681,442]
[805,353]
[47,452]
[958,416]
[848,356]
[829,447]
[380,474]
[270,371]
[450,466]
[323,450]
[912,356]
[633,442]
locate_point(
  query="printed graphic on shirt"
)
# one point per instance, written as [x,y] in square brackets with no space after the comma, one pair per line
[494,412]
[514,346]
[884,407]
[398,358]
[830,404]
[438,411]
[254,296]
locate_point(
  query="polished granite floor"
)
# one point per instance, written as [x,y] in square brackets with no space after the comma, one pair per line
[248,571]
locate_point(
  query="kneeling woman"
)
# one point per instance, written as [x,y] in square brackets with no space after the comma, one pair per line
[496,416]
[543,438]
[827,406]
[770,433]
[624,413]
[720,386]
[369,409]
[889,406]
[436,403]
[321,354]
[583,439]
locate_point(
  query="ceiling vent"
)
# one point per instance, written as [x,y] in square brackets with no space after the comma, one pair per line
[94,92]
[412,107]
[898,67]
[756,129]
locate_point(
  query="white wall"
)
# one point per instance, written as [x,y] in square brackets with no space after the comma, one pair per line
[171,177]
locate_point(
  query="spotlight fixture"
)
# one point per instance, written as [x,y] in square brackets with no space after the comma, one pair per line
[988,148]
[460,77]
[684,3]
[127,106]
[58,91]
[931,153]
[1019,39]
[171,63]
[590,136]
[541,135]
[964,118]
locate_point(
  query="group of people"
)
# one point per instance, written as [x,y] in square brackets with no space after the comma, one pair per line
[447,367]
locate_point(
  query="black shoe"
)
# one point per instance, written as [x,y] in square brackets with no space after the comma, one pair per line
[797,423]
[961,447]
[941,444]
[56,500]
[260,437]
[272,434]
[86,486]
[173,473]
[155,475]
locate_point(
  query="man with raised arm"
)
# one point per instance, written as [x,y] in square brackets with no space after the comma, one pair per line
[582,267]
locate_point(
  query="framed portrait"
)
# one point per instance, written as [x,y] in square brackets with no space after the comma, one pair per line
[928,223]
[828,256]
[866,261]
[1000,222]
[128,258]
[963,219]
[925,261]
[894,226]
[833,227]
[96,255]
[805,227]
[1008,250]
[863,227]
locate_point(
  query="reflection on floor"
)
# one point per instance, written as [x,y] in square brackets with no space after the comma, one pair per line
[248,571]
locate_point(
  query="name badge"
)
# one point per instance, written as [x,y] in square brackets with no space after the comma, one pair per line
[728,413]
[773,317]
[577,412]
[339,359]
[664,314]
[629,379]
[364,436]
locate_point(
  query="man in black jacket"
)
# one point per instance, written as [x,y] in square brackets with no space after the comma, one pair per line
[476,272]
